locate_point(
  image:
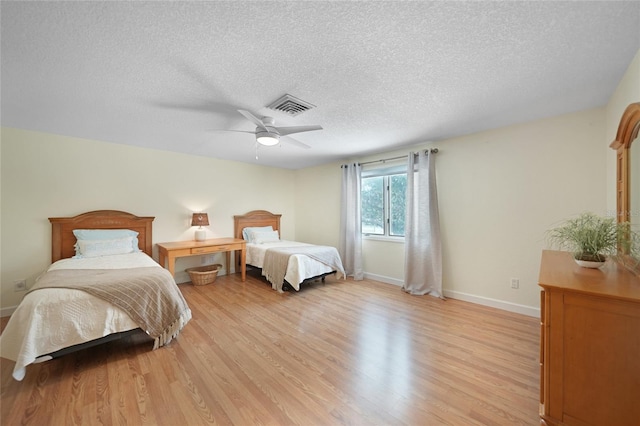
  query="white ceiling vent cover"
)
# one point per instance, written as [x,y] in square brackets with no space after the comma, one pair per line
[291,105]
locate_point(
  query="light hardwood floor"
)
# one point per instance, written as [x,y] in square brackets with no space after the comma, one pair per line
[343,352]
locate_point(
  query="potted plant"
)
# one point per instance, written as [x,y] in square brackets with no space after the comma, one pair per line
[590,237]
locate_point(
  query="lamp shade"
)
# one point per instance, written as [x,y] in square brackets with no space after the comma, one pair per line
[200,219]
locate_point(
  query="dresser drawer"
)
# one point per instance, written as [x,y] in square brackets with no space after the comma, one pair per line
[211,249]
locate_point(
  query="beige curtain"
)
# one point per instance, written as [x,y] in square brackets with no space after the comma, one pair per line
[423,253]
[350,226]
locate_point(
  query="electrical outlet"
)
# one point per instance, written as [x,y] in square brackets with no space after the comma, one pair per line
[515,283]
[20,285]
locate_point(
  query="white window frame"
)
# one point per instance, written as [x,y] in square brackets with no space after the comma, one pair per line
[385,172]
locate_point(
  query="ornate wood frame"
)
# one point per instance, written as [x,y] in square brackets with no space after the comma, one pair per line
[63,240]
[255,218]
[627,132]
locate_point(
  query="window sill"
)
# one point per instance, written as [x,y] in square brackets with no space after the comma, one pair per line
[384,238]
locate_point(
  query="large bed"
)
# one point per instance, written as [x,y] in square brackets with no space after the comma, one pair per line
[102,283]
[283,263]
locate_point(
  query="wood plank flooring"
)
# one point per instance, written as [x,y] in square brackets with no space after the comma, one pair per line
[338,353]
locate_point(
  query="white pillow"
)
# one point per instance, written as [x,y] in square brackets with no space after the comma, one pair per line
[105,234]
[264,237]
[96,248]
[246,232]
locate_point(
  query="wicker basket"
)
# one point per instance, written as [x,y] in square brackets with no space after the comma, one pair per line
[203,275]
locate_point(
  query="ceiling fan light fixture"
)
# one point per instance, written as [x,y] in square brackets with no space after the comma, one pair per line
[267,139]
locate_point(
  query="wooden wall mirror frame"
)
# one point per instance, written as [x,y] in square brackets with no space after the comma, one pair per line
[627,133]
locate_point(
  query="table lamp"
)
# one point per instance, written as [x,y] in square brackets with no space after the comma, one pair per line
[200,220]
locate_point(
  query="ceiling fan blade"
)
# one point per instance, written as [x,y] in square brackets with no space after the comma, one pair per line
[235,131]
[295,142]
[253,119]
[296,129]
[205,106]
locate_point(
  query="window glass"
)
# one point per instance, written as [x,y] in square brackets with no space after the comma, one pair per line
[372,208]
[397,204]
[383,206]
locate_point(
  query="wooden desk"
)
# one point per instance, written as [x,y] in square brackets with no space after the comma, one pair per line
[171,251]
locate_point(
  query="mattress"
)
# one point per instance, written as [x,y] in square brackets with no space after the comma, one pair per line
[48,319]
[300,267]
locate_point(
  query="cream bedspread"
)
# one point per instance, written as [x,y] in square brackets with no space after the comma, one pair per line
[48,319]
[300,262]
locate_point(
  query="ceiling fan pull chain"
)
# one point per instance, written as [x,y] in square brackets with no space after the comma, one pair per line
[256,150]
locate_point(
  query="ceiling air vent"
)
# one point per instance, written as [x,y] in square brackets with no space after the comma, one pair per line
[291,105]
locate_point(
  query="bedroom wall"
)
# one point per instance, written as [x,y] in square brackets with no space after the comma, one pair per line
[46,175]
[499,192]
[318,204]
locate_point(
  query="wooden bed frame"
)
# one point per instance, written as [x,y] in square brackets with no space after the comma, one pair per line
[63,246]
[255,218]
[63,241]
[263,218]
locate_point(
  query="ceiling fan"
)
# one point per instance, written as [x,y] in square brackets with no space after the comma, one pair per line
[268,134]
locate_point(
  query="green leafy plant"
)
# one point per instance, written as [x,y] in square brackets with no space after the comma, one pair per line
[631,247]
[590,237]
[634,244]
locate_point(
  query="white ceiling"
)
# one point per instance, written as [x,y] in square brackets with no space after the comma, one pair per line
[383,75]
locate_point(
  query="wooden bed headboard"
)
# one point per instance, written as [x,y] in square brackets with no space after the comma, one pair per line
[255,218]
[63,240]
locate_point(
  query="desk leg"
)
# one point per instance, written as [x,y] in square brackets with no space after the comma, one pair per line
[162,258]
[228,259]
[172,265]
[243,263]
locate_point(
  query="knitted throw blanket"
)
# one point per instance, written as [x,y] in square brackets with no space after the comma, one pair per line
[274,267]
[148,295]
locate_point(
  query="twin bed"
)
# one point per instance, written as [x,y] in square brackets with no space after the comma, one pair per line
[56,316]
[283,262]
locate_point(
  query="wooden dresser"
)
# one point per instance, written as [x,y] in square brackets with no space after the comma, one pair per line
[589,343]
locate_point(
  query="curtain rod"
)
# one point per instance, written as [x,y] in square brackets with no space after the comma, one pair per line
[427,151]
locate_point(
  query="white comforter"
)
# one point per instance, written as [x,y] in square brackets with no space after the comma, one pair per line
[49,319]
[300,267]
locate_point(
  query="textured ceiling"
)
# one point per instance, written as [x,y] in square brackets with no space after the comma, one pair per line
[382,75]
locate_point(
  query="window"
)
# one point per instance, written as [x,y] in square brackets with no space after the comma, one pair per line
[383,197]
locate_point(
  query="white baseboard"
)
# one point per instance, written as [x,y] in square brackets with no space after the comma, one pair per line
[494,303]
[480,300]
[383,279]
[6,312]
